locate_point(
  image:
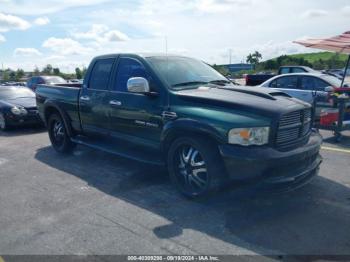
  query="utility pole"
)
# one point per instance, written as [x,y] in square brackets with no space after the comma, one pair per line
[230,55]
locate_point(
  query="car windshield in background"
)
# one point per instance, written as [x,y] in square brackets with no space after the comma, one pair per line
[14,93]
[185,73]
[332,80]
[55,80]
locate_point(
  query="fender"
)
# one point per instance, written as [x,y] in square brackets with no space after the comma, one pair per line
[65,117]
[188,125]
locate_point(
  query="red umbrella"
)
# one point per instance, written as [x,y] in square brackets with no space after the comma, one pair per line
[339,44]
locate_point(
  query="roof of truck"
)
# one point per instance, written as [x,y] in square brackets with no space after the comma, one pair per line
[143,54]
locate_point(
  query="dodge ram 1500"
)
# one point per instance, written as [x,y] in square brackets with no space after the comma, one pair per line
[179,112]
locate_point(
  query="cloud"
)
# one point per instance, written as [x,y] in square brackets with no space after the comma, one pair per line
[42,21]
[101,33]
[2,39]
[26,52]
[314,13]
[11,22]
[43,7]
[346,10]
[93,34]
[217,6]
[115,36]
[66,46]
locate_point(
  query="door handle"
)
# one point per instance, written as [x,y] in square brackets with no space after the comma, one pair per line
[85,98]
[115,103]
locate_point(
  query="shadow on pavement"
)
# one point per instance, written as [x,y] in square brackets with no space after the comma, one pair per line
[314,220]
[22,131]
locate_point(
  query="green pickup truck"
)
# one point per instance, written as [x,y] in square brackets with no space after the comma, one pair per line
[180,113]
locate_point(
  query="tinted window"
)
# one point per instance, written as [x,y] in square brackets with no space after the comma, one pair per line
[100,74]
[289,82]
[40,81]
[284,71]
[127,69]
[297,70]
[313,83]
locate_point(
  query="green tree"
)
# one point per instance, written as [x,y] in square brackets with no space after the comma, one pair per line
[78,73]
[19,74]
[6,75]
[12,76]
[254,58]
[47,70]
[56,71]
[36,71]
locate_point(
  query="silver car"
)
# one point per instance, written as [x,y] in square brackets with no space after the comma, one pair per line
[305,86]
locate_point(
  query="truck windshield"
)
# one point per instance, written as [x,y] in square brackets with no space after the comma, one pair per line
[185,73]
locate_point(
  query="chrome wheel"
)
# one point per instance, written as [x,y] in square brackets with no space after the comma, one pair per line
[191,170]
[58,133]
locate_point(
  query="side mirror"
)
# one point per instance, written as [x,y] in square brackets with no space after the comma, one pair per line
[138,85]
[329,89]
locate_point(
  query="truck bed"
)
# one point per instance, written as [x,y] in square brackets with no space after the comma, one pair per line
[65,96]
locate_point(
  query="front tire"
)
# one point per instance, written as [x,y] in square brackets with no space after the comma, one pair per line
[58,134]
[195,166]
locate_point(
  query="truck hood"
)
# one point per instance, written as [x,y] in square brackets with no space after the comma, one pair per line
[256,100]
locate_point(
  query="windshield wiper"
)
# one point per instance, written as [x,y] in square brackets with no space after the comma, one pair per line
[190,83]
[220,82]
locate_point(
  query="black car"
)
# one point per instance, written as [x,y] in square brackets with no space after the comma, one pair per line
[34,81]
[17,107]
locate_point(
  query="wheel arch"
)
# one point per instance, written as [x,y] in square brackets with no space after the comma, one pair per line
[188,127]
[50,107]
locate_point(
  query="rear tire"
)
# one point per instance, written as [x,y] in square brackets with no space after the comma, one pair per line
[195,166]
[59,137]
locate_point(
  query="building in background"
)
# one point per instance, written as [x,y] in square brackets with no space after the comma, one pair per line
[233,68]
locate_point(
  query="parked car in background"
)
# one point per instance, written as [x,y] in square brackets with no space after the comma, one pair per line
[257,79]
[17,107]
[75,81]
[308,86]
[13,84]
[34,81]
[181,113]
[338,73]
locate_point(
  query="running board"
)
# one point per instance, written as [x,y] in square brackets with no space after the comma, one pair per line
[122,149]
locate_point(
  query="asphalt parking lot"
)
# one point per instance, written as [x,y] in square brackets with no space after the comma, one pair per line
[92,202]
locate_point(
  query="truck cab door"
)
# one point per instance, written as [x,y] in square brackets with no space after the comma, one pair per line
[135,117]
[94,98]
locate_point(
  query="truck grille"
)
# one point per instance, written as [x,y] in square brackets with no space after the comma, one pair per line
[293,129]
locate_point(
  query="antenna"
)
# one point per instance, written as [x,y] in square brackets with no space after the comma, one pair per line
[166,45]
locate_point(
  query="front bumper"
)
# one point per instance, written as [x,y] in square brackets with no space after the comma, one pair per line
[271,168]
[19,120]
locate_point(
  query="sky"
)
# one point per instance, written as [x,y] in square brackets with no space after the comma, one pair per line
[69,33]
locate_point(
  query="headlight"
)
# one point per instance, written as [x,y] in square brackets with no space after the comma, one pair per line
[249,136]
[18,110]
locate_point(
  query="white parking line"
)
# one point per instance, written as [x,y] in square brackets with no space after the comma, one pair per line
[336,149]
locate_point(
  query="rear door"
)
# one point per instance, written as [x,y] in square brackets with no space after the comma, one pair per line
[290,85]
[135,117]
[94,98]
